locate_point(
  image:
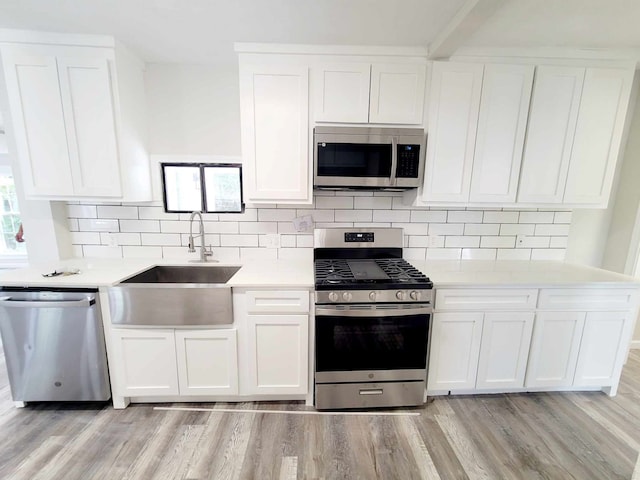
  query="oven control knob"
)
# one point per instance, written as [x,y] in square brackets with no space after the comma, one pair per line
[400,295]
[372,296]
[415,295]
[347,296]
[333,296]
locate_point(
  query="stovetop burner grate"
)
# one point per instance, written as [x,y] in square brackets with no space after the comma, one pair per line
[351,273]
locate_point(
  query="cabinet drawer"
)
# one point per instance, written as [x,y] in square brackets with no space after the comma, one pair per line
[588,298]
[278,302]
[486,298]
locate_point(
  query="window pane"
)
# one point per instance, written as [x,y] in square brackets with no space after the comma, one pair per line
[182,188]
[222,189]
[10,220]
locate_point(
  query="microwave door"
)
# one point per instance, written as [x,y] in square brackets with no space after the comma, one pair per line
[354,164]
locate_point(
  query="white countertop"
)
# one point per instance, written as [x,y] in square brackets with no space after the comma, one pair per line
[299,274]
[535,273]
[108,272]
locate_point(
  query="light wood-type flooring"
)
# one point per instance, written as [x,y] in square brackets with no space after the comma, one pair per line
[552,436]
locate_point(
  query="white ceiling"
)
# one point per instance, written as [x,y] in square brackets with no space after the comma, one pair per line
[562,23]
[203,31]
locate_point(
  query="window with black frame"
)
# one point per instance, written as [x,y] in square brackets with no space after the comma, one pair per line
[204,187]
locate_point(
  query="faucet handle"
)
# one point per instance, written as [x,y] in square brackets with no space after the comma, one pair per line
[208,253]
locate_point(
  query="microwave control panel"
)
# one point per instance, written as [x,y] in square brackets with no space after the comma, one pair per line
[408,161]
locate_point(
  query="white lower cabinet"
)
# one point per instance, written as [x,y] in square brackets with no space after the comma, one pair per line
[278,354]
[455,346]
[504,349]
[154,362]
[207,362]
[146,362]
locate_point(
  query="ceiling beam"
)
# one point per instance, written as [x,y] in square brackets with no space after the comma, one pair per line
[468,19]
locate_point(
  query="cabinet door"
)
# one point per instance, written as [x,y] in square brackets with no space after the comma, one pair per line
[397,93]
[603,108]
[341,92]
[146,359]
[207,362]
[274,103]
[85,86]
[454,101]
[504,109]
[505,349]
[554,349]
[278,349]
[34,99]
[552,125]
[455,346]
[603,348]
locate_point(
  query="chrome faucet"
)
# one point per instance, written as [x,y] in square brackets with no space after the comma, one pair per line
[204,253]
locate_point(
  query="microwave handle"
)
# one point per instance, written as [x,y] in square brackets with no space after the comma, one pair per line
[394,161]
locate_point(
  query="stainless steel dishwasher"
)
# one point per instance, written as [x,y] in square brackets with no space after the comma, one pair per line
[54,346]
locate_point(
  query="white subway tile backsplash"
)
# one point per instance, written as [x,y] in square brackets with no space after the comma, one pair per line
[514,254]
[258,227]
[146,251]
[82,211]
[377,203]
[446,229]
[428,216]
[139,225]
[464,217]
[501,217]
[498,242]
[548,254]
[553,229]
[98,225]
[391,215]
[455,241]
[276,214]
[354,215]
[239,240]
[536,217]
[481,229]
[334,202]
[430,233]
[161,239]
[478,254]
[119,212]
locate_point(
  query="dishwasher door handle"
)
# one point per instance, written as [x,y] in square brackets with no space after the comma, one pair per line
[8,302]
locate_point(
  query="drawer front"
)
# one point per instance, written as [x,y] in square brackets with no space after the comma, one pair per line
[486,298]
[369,395]
[587,299]
[270,301]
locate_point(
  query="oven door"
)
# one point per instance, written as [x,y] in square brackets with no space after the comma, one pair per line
[354,161]
[365,343]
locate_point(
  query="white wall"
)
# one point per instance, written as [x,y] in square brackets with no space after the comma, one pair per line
[193,109]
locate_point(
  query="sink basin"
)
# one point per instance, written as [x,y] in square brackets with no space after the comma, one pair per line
[174,296]
[185,274]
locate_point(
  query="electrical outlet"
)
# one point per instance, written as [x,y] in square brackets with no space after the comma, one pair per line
[520,240]
[272,240]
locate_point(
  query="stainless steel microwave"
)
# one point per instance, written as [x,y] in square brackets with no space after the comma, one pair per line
[368,158]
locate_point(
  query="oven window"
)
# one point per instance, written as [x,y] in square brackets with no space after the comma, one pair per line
[370,343]
[354,160]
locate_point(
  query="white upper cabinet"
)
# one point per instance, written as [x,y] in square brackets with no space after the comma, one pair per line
[454,103]
[341,92]
[603,108]
[504,108]
[357,92]
[75,136]
[397,93]
[552,125]
[274,103]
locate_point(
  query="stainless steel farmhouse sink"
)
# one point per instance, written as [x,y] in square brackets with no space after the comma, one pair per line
[174,296]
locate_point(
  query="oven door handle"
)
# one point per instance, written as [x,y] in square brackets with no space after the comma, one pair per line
[372,312]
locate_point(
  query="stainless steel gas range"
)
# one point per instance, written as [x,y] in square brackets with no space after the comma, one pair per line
[372,322]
